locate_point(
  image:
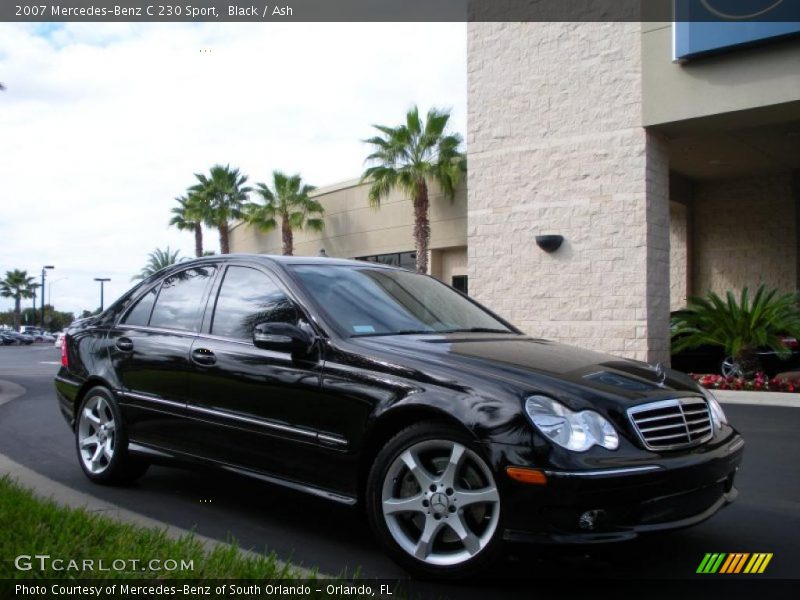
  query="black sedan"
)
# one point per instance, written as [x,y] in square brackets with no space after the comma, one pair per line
[363,383]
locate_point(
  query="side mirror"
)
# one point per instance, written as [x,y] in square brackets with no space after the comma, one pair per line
[281,337]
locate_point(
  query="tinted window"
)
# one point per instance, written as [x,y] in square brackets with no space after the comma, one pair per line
[248,297]
[376,301]
[179,301]
[140,314]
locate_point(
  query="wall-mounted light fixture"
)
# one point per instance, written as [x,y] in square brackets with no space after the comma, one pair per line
[549,243]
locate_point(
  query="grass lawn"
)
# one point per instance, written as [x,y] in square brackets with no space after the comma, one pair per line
[30,525]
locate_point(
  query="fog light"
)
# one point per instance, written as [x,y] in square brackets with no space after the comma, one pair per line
[588,520]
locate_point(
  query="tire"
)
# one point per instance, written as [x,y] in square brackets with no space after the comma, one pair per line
[416,492]
[101,440]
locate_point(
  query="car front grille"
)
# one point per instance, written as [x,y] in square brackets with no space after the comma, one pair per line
[672,424]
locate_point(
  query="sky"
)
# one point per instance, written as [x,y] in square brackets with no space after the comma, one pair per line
[102,125]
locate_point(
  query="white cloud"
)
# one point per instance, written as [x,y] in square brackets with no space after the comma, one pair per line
[103,124]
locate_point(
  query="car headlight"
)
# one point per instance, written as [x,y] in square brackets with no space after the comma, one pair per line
[577,431]
[717,414]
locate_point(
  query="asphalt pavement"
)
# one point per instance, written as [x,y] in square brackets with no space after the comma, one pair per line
[315,533]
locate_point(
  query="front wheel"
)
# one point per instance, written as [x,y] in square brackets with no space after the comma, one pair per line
[101,440]
[433,503]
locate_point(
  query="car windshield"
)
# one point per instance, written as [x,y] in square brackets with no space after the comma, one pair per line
[371,301]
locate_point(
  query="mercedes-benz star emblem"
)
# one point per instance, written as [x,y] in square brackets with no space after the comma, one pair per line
[439,503]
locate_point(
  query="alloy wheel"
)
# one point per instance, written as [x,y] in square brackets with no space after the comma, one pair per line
[731,368]
[440,502]
[97,434]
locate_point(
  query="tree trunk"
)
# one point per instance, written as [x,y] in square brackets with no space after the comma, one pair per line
[18,312]
[198,240]
[287,236]
[748,362]
[223,238]
[422,227]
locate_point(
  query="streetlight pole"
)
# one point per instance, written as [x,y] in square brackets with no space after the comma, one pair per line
[44,274]
[102,281]
[34,287]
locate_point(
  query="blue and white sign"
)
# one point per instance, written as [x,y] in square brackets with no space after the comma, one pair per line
[711,26]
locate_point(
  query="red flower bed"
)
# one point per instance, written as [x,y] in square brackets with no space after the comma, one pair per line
[760,383]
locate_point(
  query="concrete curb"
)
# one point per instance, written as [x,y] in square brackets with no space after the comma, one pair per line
[9,391]
[758,398]
[66,496]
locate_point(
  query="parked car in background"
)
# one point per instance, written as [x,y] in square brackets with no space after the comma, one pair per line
[20,338]
[368,384]
[712,360]
[6,338]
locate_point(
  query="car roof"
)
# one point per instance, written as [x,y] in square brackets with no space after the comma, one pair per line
[287,260]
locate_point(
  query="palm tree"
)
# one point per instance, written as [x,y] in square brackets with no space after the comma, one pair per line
[17,285]
[289,201]
[189,215]
[408,157]
[157,260]
[225,195]
[741,328]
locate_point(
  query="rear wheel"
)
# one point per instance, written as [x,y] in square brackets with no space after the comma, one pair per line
[433,503]
[101,440]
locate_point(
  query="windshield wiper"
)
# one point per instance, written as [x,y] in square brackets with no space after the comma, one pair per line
[401,332]
[476,330]
[433,331]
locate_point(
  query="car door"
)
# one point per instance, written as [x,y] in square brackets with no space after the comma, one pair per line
[149,351]
[262,409]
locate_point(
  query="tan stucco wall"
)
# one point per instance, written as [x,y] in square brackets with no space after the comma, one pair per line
[744,233]
[353,228]
[556,146]
[448,262]
[678,255]
[736,80]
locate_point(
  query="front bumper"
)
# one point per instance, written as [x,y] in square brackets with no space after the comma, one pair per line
[621,503]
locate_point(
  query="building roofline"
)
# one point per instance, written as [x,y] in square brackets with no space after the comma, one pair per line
[335,187]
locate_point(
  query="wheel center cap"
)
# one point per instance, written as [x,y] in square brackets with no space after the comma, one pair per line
[439,503]
[101,436]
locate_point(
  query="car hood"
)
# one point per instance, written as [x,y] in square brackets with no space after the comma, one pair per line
[533,365]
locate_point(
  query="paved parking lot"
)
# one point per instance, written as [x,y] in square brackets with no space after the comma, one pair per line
[311,531]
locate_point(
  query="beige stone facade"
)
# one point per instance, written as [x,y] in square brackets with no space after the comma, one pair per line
[679,245]
[744,234]
[556,147]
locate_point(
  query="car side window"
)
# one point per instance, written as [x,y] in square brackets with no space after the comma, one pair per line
[179,301]
[140,313]
[248,297]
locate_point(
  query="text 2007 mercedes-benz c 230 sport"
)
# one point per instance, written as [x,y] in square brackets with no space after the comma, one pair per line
[369,384]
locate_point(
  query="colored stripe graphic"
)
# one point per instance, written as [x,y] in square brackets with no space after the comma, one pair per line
[711,562]
[741,562]
[731,560]
[703,563]
[735,562]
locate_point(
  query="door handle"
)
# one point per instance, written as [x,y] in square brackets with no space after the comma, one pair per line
[124,344]
[203,356]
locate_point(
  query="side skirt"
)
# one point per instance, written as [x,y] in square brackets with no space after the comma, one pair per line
[166,457]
